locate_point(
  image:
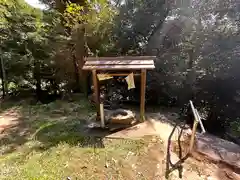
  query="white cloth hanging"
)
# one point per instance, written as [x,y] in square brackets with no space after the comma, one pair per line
[130,81]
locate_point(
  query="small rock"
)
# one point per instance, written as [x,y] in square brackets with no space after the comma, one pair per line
[175,115]
[189,132]
[114,160]
[174,158]
[106,165]
[134,166]
[154,140]
[212,178]
[57,112]
[94,125]
[130,153]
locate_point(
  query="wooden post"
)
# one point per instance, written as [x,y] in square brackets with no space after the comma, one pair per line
[4,79]
[194,129]
[143,91]
[102,115]
[96,92]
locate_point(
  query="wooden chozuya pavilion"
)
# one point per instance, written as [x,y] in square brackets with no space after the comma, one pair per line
[113,65]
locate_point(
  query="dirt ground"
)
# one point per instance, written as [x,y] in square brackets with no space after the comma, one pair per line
[8,119]
[154,163]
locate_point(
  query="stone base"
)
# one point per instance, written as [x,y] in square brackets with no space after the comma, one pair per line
[120,116]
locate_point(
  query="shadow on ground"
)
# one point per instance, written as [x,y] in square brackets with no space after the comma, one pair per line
[67,132]
[48,125]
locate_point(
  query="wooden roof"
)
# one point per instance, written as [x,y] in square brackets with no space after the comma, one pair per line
[119,63]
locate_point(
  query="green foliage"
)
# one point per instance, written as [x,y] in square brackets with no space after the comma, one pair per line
[197,57]
[97,20]
[136,22]
[28,37]
[73,15]
[19,24]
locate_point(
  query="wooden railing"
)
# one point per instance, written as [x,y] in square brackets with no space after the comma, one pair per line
[197,120]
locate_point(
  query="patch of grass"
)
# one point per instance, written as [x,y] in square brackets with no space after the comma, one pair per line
[63,160]
[48,144]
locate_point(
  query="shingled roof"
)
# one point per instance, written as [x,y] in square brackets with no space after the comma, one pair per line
[119,63]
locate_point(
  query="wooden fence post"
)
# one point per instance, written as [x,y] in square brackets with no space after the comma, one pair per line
[197,119]
[143,92]
[96,92]
[194,129]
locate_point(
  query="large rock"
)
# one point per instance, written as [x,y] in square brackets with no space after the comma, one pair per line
[120,116]
[218,150]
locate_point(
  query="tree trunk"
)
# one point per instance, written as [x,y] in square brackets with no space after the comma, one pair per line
[190,78]
[4,80]
[38,79]
[79,49]
[81,52]
[77,75]
[60,6]
[187,89]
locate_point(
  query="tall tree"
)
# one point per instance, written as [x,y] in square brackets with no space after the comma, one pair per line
[87,24]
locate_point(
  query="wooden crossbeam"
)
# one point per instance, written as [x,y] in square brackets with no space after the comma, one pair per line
[122,58]
[117,67]
[120,62]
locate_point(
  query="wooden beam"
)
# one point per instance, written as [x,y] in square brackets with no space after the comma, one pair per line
[120,62]
[96,92]
[122,58]
[143,92]
[118,67]
[119,74]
